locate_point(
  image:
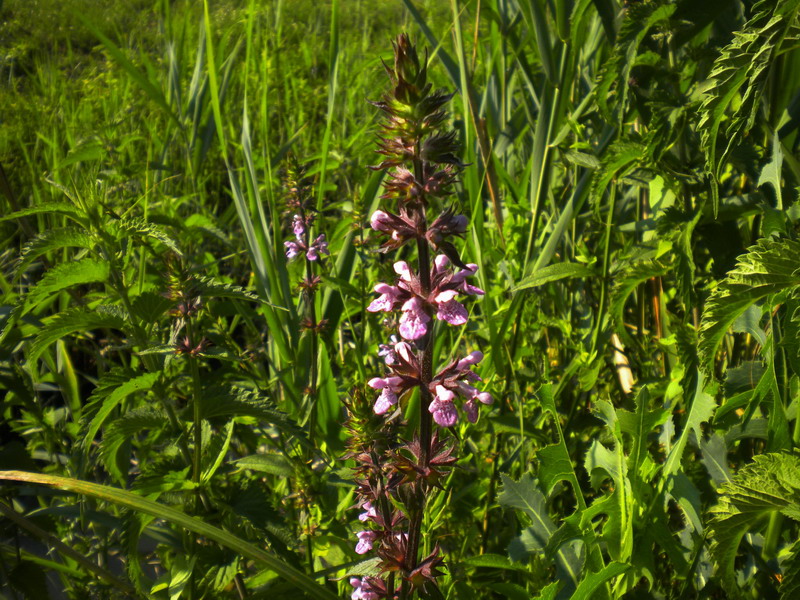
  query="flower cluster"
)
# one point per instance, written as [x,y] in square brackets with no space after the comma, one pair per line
[301,244]
[453,381]
[410,297]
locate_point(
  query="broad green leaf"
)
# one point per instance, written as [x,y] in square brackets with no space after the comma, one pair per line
[53,208]
[524,495]
[194,524]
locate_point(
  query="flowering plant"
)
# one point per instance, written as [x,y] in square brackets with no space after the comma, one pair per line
[422,166]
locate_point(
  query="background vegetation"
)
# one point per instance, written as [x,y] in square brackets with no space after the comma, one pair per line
[632,192]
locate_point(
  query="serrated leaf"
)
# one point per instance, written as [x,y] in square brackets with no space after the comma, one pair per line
[56,208]
[738,79]
[768,267]
[628,280]
[790,584]
[715,458]
[592,581]
[63,276]
[700,411]
[771,483]
[112,388]
[524,495]
[70,321]
[135,226]
[52,239]
[124,429]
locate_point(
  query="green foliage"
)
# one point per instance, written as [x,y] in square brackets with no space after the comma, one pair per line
[632,195]
[771,484]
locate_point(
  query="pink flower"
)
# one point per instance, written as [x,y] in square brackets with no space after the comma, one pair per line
[389,386]
[455,380]
[365,540]
[319,246]
[414,322]
[363,589]
[369,512]
[298,226]
[292,249]
[448,309]
[389,295]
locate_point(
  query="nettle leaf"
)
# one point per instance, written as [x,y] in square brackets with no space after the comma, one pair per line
[768,268]
[638,19]
[212,288]
[113,387]
[76,319]
[739,76]
[790,585]
[63,276]
[275,464]
[52,239]
[49,208]
[124,429]
[771,483]
[135,226]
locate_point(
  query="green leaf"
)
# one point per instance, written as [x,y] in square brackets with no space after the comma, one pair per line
[52,239]
[123,430]
[127,499]
[63,276]
[113,387]
[274,464]
[54,208]
[768,267]
[70,321]
[738,79]
[790,585]
[495,561]
[593,581]
[701,410]
[554,272]
[524,495]
[135,226]
[770,484]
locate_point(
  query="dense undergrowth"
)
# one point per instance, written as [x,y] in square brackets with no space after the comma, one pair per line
[179,407]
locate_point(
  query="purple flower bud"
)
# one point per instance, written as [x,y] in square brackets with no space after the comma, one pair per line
[380,222]
[473,358]
[459,223]
[298,226]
